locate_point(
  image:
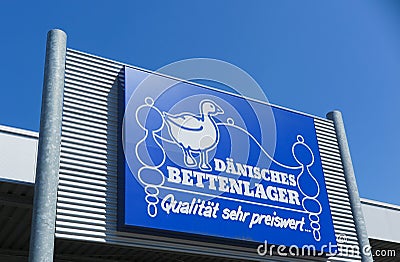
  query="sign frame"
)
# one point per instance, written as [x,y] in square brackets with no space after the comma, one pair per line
[190,235]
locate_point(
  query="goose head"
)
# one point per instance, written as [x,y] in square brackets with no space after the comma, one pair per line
[208,107]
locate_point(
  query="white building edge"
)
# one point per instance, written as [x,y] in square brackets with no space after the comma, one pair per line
[18,152]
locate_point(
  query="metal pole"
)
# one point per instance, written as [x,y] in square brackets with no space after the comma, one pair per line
[336,117]
[48,160]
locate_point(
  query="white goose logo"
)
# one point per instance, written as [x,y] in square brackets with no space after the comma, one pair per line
[195,133]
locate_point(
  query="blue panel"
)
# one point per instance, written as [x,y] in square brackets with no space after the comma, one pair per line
[214,164]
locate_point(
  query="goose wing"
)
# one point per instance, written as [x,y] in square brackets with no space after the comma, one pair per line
[185,121]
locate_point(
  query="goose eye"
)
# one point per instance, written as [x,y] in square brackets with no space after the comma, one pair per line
[212,106]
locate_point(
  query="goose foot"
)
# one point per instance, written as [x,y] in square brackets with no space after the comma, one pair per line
[189,160]
[204,166]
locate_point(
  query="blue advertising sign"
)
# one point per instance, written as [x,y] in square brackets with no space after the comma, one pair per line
[210,163]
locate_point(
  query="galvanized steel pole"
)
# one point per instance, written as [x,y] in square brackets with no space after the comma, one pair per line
[48,160]
[336,117]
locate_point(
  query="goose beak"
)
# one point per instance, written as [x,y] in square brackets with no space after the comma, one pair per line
[218,110]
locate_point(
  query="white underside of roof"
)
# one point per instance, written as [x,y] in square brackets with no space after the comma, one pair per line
[382,219]
[18,151]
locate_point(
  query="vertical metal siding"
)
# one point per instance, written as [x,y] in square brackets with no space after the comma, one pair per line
[87,197]
[87,193]
[337,191]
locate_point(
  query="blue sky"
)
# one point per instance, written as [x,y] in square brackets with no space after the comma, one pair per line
[313,56]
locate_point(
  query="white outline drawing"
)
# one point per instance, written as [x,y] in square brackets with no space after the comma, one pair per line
[195,133]
[310,197]
[149,103]
[232,124]
[150,169]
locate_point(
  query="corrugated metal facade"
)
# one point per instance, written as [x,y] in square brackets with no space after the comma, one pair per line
[339,202]
[87,192]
